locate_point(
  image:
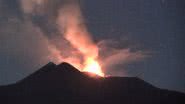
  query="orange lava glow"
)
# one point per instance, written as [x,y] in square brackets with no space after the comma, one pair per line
[74,30]
[93,66]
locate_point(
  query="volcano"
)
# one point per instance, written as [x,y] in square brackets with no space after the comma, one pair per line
[64,84]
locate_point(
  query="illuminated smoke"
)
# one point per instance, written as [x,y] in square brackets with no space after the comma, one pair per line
[62,23]
[71,24]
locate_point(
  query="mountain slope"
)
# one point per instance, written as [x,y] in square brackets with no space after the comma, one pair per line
[64,84]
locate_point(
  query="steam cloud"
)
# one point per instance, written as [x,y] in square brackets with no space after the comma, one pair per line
[62,25]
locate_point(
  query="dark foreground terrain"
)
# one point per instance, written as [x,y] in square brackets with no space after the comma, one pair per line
[63,84]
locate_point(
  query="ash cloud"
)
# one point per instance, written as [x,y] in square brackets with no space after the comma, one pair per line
[44,14]
[39,21]
[22,49]
[115,57]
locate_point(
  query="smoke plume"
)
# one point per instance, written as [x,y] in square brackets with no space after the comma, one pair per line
[62,24]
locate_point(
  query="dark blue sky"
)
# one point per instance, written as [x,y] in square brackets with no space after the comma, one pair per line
[155,26]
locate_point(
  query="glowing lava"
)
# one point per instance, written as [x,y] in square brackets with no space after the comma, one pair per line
[93,66]
[72,26]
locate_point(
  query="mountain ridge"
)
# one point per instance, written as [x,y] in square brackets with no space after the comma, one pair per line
[63,83]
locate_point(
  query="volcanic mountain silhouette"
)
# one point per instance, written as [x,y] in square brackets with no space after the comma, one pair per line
[64,84]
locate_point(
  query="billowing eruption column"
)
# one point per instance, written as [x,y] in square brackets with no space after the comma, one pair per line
[71,25]
[62,27]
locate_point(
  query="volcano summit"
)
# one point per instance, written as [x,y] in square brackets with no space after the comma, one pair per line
[64,84]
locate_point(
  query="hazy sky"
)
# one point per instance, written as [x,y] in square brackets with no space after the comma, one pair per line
[156,27]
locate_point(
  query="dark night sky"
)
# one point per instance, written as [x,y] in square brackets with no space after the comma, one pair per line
[155,26]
